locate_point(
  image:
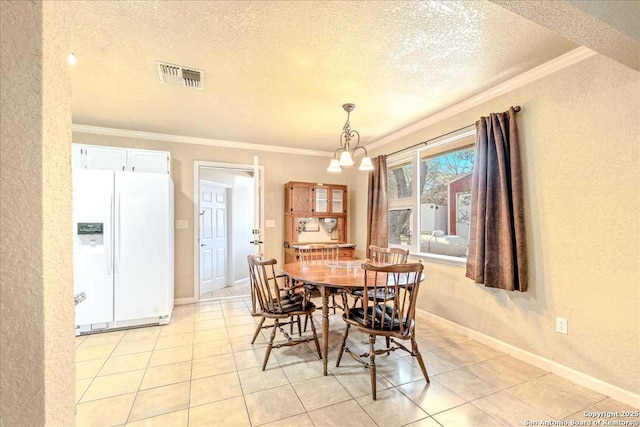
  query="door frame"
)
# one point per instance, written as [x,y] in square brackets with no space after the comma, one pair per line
[196,217]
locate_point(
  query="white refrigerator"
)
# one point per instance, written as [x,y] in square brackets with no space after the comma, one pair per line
[122,248]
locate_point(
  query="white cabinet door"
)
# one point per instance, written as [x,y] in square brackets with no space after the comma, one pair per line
[106,158]
[93,204]
[148,161]
[142,248]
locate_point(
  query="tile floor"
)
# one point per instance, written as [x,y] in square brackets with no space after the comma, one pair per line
[202,370]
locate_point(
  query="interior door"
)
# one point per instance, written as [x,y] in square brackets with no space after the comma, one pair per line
[142,245]
[93,205]
[213,237]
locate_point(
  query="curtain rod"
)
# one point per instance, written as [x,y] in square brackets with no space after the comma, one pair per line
[515,108]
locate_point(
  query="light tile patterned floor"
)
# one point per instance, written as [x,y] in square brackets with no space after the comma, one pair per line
[202,370]
[238,290]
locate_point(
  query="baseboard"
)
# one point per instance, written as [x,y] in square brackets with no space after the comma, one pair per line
[613,391]
[183,301]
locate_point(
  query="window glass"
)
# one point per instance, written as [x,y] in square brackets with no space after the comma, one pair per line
[445,202]
[400,181]
[400,227]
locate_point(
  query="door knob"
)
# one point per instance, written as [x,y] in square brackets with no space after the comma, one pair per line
[202,244]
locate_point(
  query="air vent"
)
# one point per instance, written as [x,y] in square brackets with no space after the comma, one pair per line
[178,75]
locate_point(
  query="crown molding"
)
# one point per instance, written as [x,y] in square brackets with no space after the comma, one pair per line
[563,61]
[126,133]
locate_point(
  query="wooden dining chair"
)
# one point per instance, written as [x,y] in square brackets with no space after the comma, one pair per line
[272,297]
[319,254]
[393,317]
[388,255]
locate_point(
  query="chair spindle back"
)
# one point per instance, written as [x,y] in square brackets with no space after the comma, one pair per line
[388,255]
[397,286]
[265,289]
[317,254]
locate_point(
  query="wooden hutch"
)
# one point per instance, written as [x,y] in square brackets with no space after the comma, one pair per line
[322,205]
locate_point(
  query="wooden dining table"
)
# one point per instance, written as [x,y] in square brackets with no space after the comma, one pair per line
[345,275]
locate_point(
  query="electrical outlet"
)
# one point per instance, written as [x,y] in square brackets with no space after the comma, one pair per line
[562,325]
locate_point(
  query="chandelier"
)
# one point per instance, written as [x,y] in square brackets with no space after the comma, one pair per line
[349,138]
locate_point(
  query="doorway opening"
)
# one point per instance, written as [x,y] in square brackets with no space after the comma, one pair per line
[227,223]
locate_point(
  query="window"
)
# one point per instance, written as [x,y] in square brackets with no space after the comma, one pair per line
[429,190]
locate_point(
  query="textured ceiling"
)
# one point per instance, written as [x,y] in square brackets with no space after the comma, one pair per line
[277,73]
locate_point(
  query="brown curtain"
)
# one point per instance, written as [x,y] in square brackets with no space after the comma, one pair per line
[377,210]
[497,250]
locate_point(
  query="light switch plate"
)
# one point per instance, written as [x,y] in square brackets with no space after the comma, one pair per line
[182,223]
[270,223]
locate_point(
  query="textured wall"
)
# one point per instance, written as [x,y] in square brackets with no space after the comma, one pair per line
[279,169]
[579,132]
[57,245]
[36,308]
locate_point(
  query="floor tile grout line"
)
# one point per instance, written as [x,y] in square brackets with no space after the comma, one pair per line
[193,344]
[143,375]
[528,404]
[101,367]
[246,407]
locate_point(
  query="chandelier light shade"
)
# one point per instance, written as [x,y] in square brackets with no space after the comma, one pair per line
[349,144]
[365,164]
[346,159]
[334,166]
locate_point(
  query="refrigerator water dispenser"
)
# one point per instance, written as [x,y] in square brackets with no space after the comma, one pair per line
[91,234]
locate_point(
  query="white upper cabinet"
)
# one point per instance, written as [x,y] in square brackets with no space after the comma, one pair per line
[148,161]
[120,159]
[107,158]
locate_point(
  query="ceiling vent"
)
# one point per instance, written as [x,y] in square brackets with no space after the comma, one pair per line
[178,75]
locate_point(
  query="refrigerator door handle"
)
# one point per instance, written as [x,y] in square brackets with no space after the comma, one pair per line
[110,238]
[118,247]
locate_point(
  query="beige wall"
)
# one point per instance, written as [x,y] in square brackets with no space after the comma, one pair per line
[36,308]
[580,136]
[279,168]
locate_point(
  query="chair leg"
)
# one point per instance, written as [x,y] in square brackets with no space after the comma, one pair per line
[388,340]
[315,335]
[299,327]
[344,342]
[333,301]
[417,354]
[372,364]
[306,319]
[255,335]
[276,324]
